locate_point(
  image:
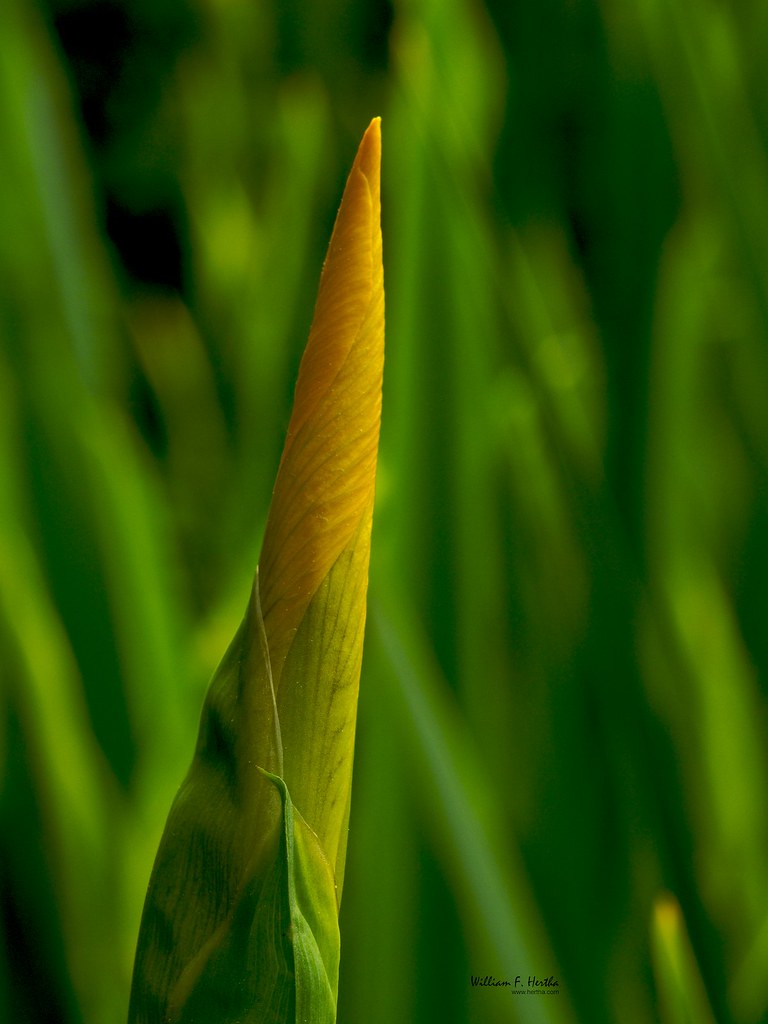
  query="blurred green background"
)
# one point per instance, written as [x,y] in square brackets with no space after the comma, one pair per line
[561,760]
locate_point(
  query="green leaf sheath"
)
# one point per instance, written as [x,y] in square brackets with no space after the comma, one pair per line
[241,920]
[209,850]
[278,958]
[314,925]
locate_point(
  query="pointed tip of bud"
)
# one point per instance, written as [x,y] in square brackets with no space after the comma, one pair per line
[368,159]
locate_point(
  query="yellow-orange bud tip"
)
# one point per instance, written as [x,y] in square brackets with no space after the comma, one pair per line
[368,159]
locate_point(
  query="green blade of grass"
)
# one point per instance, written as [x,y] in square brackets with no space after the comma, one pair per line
[682,996]
[460,803]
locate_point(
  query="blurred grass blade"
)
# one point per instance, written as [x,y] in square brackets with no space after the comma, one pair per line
[682,996]
[55,773]
[460,803]
[748,985]
[241,919]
